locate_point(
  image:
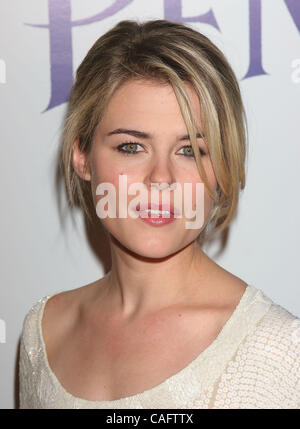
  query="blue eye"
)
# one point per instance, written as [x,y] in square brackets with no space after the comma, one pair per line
[131,146]
[191,151]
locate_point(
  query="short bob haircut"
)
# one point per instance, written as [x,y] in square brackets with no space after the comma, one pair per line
[168,53]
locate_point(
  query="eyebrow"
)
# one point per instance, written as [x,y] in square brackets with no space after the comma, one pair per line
[143,135]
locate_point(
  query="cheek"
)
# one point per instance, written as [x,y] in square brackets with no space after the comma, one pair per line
[103,169]
[201,196]
[106,167]
[118,177]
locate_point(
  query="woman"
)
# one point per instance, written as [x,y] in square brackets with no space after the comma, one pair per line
[158,104]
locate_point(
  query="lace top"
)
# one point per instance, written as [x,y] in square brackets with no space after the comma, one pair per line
[252,363]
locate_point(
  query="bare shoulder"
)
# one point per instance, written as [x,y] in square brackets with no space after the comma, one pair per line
[61,312]
[226,288]
[232,288]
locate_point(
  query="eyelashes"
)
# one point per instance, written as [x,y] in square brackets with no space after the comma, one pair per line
[125,152]
[134,152]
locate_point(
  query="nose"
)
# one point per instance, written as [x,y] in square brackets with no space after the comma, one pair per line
[160,172]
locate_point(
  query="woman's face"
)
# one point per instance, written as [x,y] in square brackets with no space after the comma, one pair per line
[153,109]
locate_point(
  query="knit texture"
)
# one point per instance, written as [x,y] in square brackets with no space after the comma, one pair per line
[252,363]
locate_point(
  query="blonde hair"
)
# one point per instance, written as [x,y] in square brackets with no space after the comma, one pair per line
[172,53]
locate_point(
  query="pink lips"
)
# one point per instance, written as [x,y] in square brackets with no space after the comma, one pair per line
[154,206]
[154,219]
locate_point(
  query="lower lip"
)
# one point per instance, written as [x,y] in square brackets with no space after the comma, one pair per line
[157,221]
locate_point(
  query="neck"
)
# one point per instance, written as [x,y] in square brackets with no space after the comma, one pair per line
[138,286]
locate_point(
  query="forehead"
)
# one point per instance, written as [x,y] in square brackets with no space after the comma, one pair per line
[145,101]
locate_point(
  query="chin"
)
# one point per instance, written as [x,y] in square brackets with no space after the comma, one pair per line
[151,254]
[152,246]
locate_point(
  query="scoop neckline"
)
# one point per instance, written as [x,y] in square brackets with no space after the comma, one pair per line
[250,290]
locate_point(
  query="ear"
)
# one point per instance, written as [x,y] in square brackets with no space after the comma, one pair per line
[80,162]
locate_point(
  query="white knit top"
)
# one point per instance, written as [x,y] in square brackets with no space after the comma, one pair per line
[252,363]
